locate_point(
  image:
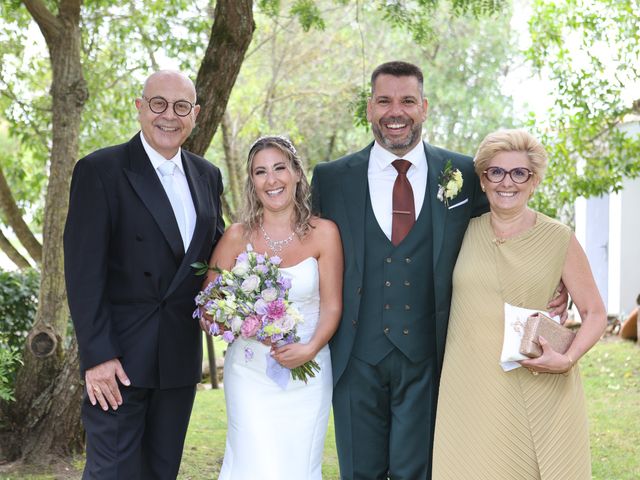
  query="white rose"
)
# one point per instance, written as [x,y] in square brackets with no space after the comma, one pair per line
[235,324]
[250,284]
[269,294]
[288,323]
[240,269]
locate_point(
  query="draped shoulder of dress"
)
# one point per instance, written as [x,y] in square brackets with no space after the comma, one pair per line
[496,425]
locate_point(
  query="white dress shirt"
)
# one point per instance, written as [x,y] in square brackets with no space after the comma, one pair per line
[382,175]
[180,184]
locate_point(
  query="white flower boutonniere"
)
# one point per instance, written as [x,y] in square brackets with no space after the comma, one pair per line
[450,183]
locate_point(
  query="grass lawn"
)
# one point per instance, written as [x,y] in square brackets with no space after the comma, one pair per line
[611,374]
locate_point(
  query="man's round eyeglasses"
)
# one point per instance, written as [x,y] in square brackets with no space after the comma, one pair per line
[497,174]
[182,108]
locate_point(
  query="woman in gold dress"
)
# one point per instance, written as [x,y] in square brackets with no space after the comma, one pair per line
[531,422]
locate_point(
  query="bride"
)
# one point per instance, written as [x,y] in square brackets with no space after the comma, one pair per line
[274,432]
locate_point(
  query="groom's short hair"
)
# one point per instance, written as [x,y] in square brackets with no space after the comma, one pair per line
[398,69]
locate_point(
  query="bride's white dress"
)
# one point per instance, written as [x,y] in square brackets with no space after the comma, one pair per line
[274,433]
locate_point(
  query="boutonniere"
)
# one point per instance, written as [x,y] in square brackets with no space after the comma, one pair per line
[450,183]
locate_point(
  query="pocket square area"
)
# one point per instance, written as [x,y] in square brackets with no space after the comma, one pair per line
[450,207]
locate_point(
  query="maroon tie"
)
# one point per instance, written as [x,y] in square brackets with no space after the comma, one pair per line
[404,212]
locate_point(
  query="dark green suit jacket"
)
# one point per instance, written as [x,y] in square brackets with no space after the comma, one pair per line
[339,190]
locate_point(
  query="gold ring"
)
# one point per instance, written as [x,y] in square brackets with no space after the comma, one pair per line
[533,372]
[96,389]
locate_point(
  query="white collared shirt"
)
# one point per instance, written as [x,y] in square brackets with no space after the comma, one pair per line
[180,183]
[382,175]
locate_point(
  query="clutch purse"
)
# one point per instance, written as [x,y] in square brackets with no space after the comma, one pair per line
[539,325]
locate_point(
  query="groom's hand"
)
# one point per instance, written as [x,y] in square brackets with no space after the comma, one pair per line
[558,305]
[102,386]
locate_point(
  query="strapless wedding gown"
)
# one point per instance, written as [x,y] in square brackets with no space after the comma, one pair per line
[275,433]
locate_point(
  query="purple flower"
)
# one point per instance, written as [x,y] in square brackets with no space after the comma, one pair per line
[276,260]
[276,309]
[228,336]
[260,258]
[196,313]
[261,269]
[284,282]
[248,354]
[214,329]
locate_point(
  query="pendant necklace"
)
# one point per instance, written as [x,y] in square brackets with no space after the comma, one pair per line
[276,245]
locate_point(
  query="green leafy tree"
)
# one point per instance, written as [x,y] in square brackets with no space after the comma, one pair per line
[590,51]
[79,98]
[311,84]
[117,42]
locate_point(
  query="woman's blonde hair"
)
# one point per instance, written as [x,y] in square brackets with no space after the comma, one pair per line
[253,208]
[511,141]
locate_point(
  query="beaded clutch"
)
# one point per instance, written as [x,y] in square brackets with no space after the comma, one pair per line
[539,325]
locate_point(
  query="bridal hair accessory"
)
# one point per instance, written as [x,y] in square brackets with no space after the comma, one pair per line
[450,183]
[276,246]
[252,301]
[279,139]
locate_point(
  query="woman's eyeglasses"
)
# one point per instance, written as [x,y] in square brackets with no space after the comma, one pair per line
[518,174]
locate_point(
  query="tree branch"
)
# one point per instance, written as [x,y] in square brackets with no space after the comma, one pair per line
[14,219]
[49,25]
[11,252]
[230,37]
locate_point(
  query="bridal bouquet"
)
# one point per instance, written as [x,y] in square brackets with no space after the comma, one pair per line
[251,301]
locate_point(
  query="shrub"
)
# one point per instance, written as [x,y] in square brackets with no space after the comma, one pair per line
[18,303]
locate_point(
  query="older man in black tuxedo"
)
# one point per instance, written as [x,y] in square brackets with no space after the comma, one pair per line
[139,214]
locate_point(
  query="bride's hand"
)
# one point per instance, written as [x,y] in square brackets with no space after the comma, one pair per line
[293,355]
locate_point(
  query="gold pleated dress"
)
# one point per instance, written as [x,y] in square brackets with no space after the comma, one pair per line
[496,425]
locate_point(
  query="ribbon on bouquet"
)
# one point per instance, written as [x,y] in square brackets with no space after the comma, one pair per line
[276,372]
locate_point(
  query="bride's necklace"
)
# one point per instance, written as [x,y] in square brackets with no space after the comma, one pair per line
[276,245]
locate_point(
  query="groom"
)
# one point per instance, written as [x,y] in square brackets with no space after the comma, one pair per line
[139,214]
[400,246]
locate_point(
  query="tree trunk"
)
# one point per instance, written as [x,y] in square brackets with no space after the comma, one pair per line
[233,181]
[45,417]
[231,34]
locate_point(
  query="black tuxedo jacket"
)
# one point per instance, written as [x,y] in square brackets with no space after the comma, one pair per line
[129,282]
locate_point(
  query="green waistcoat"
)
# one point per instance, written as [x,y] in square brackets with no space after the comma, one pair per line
[397,304]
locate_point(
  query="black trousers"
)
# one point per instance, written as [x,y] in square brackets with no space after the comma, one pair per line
[142,439]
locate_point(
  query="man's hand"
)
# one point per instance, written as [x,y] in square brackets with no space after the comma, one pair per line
[102,386]
[558,305]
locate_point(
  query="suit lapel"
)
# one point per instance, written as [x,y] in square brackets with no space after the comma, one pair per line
[354,190]
[436,165]
[199,190]
[146,184]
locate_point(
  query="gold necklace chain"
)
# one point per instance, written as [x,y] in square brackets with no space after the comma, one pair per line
[276,245]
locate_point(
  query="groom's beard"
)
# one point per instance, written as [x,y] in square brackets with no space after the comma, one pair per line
[399,146]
